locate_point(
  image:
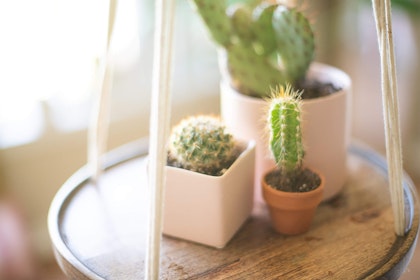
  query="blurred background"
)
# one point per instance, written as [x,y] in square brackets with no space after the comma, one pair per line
[49,54]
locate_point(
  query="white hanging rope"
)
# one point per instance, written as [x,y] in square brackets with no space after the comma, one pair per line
[382,13]
[98,129]
[159,130]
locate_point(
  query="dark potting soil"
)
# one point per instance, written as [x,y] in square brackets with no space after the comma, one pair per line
[314,88]
[303,180]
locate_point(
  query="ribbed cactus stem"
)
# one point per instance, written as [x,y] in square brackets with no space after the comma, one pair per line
[284,121]
[202,144]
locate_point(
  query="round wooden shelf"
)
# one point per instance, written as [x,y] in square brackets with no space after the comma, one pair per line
[99,231]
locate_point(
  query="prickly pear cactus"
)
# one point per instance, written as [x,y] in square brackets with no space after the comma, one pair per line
[201,144]
[285,129]
[264,43]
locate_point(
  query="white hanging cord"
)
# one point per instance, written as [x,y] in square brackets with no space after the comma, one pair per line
[98,129]
[382,13]
[159,130]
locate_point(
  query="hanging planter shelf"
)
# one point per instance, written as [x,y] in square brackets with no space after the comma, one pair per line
[99,231]
[110,227]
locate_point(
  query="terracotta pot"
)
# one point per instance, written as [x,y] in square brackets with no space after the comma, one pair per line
[292,213]
[325,128]
[209,209]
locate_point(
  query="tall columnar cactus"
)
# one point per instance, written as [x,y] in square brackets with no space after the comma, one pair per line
[266,43]
[285,129]
[202,144]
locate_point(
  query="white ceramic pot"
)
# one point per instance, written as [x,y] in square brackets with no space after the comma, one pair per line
[209,209]
[325,128]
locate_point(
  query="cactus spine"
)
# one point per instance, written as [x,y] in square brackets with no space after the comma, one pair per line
[201,144]
[285,129]
[265,43]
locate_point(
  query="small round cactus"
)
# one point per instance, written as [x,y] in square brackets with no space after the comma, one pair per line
[285,129]
[201,144]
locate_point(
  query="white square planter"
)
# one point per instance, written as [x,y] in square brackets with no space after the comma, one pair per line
[209,209]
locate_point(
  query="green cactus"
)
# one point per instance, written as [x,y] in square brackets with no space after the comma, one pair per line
[265,43]
[201,144]
[285,129]
[284,123]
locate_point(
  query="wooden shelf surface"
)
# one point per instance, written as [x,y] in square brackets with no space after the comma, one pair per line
[99,231]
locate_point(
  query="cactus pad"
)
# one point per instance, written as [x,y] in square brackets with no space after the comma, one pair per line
[265,43]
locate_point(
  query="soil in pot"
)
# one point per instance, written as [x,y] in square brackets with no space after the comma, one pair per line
[300,181]
[313,88]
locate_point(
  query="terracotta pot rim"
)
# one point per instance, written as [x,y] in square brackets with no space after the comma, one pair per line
[315,194]
[293,194]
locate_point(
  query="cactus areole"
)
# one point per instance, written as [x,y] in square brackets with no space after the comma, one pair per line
[262,44]
[202,144]
[284,124]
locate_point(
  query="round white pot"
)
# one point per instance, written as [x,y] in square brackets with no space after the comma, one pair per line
[325,125]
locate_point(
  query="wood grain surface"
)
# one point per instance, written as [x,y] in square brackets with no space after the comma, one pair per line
[99,231]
